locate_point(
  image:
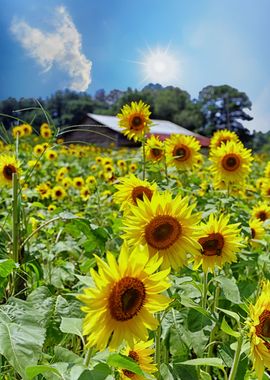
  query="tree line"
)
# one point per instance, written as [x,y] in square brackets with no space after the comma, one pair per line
[217,107]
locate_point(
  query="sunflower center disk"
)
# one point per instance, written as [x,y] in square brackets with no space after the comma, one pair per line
[262,216]
[162,232]
[126,298]
[137,123]
[253,233]
[156,152]
[133,355]
[212,244]
[231,162]
[138,191]
[181,153]
[263,328]
[8,171]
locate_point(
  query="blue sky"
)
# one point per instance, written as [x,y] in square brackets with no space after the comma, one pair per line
[91,44]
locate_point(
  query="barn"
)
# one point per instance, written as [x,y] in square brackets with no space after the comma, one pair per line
[104,130]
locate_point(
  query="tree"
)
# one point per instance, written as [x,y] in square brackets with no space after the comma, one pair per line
[222,107]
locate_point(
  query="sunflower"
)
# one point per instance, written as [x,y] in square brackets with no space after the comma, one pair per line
[154,149]
[135,121]
[38,149]
[126,295]
[66,182]
[257,230]
[182,151]
[91,181]
[165,225]
[45,131]
[8,166]
[142,354]
[231,162]
[58,192]
[222,136]
[85,193]
[27,129]
[51,207]
[261,211]
[51,155]
[219,242]
[17,131]
[133,167]
[131,189]
[44,190]
[259,324]
[78,182]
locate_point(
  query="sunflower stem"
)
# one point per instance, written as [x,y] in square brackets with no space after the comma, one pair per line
[158,347]
[166,170]
[15,226]
[87,357]
[144,160]
[236,358]
[205,286]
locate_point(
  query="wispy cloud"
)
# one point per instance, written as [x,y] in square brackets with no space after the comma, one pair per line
[61,48]
[260,112]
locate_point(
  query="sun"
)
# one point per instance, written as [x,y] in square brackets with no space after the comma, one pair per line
[161,66]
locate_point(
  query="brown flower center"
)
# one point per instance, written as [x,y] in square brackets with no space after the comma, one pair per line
[253,233]
[138,191]
[126,298]
[181,153]
[212,244]
[263,328]
[156,153]
[231,162]
[262,215]
[8,171]
[162,231]
[58,193]
[137,123]
[133,355]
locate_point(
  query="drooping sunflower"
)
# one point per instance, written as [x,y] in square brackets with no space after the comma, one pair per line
[165,225]
[261,211]
[8,166]
[154,149]
[142,354]
[259,324]
[182,151]
[135,120]
[222,136]
[231,162]
[126,295]
[257,231]
[219,242]
[130,189]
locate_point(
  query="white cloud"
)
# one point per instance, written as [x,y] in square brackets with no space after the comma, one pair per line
[260,112]
[61,48]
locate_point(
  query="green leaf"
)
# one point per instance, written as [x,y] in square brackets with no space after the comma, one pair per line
[72,326]
[62,354]
[230,313]
[21,344]
[228,330]
[33,371]
[230,289]
[197,320]
[165,372]
[6,267]
[204,375]
[212,362]
[124,362]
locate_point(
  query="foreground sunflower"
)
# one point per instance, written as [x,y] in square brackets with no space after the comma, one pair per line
[142,354]
[135,121]
[165,225]
[259,324]
[8,166]
[231,162]
[182,151]
[261,211]
[154,149]
[219,242]
[126,295]
[130,189]
[222,136]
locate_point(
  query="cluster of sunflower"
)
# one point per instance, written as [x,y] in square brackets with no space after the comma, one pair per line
[166,228]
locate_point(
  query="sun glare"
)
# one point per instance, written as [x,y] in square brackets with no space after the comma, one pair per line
[160,66]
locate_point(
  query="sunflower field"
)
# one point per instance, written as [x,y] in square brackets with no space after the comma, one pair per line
[142,263]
